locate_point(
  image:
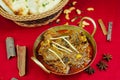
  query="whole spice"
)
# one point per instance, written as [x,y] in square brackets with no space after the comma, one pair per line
[66,23]
[67,12]
[72,8]
[10,47]
[90,70]
[102,65]
[21,59]
[107,57]
[102,25]
[58,21]
[90,9]
[75,18]
[78,11]
[109,35]
[73,3]
[67,17]
[84,24]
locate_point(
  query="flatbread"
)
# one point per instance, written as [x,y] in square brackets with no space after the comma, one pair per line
[26,7]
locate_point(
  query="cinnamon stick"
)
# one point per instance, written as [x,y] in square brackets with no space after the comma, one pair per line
[109,35]
[21,59]
[10,48]
[102,25]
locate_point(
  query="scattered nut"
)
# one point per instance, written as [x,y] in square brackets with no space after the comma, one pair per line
[90,9]
[84,23]
[66,23]
[72,8]
[67,11]
[74,3]
[78,11]
[72,20]
[67,17]
[58,21]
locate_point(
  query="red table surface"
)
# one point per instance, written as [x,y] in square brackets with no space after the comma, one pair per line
[107,10]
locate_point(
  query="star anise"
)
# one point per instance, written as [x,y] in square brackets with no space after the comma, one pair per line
[90,70]
[102,65]
[107,57]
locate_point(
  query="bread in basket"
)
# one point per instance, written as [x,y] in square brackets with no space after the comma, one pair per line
[31,17]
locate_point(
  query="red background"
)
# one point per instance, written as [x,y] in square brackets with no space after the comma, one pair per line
[107,10]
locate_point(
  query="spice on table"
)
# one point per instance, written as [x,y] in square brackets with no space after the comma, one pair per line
[58,21]
[73,3]
[21,59]
[107,57]
[84,23]
[66,23]
[90,70]
[102,65]
[10,47]
[90,9]
[67,17]
[68,11]
[75,18]
[109,35]
[72,8]
[78,11]
[102,25]
[14,78]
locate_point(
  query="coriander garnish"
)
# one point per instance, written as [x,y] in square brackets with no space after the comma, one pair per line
[13,0]
[45,4]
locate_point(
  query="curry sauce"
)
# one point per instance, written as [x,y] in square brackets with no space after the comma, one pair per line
[64,51]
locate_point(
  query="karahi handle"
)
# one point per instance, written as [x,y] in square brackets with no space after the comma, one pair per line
[93,22]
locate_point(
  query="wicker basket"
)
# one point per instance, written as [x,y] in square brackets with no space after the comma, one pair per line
[35,20]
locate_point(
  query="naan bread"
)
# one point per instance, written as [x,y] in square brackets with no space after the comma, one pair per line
[5,7]
[19,7]
[26,7]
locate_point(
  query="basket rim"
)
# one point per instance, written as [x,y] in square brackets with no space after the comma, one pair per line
[37,25]
[33,16]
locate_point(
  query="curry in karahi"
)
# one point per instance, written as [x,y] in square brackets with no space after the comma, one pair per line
[65,51]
